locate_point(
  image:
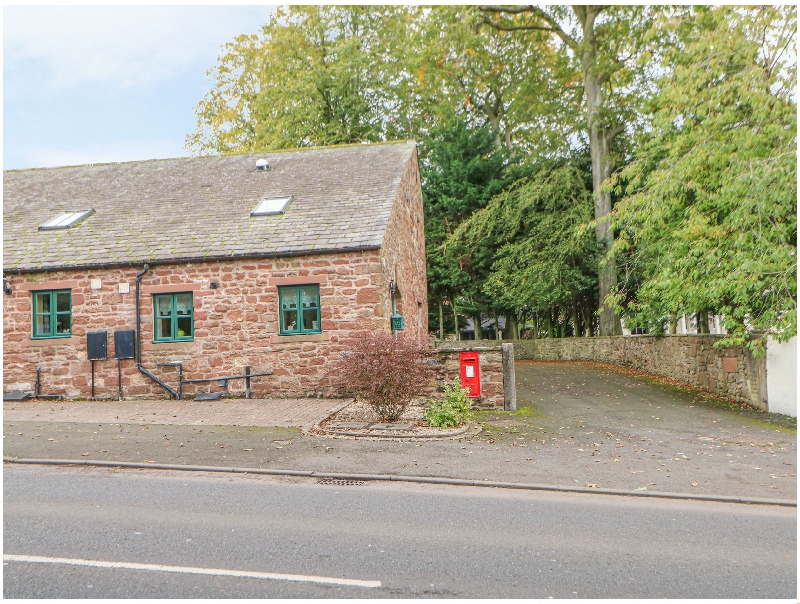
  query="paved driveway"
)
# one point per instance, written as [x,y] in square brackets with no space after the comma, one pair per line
[611,426]
[230,412]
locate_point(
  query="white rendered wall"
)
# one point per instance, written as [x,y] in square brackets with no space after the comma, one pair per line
[782,376]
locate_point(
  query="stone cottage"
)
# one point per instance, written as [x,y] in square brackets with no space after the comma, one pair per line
[269,261]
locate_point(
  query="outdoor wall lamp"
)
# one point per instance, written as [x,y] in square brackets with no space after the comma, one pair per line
[398,323]
[8,291]
[214,285]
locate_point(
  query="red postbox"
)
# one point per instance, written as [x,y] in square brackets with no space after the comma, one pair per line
[471,373]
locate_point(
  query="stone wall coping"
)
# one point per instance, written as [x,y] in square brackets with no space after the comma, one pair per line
[623,337]
[453,347]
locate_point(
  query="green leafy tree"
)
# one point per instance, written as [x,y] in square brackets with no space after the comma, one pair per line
[461,170]
[545,261]
[314,75]
[493,77]
[604,53]
[710,218]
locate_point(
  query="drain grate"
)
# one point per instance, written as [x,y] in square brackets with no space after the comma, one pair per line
[748,440]
[341,482]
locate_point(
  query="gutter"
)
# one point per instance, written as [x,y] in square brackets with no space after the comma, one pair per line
[413,479]
[187,259]
[139,365]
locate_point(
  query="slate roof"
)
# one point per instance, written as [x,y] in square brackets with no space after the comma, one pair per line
[199,208]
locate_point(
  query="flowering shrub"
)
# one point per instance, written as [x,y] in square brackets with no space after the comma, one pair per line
[386,373]
[453,411]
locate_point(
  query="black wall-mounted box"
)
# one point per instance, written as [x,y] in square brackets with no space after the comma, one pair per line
[97,345]
[124,346]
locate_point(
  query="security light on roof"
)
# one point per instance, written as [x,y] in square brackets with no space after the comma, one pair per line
[66,219]
[272,205]
[262,164]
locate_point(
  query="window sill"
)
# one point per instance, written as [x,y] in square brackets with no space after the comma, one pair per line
[302,337]
[55,341]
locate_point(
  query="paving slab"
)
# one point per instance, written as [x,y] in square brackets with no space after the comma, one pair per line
[577,424]
[230,412]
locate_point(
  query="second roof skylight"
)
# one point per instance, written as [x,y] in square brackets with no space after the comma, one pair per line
[272,205]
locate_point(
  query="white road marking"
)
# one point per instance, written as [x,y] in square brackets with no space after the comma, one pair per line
[218,572]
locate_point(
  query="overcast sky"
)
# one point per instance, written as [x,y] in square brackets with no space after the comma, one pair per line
[106,83]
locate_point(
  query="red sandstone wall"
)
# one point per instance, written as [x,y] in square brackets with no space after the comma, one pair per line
[403,255]
[692,359]
[235,325]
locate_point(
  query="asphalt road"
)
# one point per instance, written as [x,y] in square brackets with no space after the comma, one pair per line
[416,540]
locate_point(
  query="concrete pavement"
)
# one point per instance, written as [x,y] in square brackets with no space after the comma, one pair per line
[578,425]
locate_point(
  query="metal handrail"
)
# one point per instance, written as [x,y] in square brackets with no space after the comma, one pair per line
[247,375]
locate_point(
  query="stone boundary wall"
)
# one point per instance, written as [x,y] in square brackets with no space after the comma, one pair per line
[491,369]
[692,359]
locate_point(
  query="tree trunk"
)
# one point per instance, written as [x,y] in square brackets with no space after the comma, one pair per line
[455,318]
[576,328]
[600,137]
[548,323]
[441,320]
[702,321]
[497,334]
[673,325]
[494,121]
[476,321]
[512,326]
[587,322]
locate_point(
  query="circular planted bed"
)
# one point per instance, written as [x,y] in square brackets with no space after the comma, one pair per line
[359,420]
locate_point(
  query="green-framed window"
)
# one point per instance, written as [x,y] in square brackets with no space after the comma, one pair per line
[299,309]
[52,314]
[174,317]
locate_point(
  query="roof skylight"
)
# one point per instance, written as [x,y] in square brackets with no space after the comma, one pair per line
[66,219]
[272,205]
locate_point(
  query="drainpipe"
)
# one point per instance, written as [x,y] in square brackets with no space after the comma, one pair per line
[139,365]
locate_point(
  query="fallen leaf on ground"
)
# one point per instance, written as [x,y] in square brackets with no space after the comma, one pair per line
[592,485]
[85,453]
[694,484]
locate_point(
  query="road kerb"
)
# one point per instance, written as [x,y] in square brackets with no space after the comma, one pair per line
[401,478]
